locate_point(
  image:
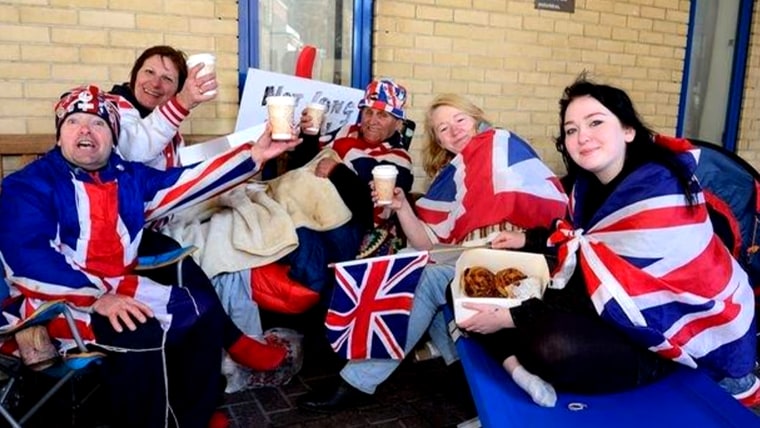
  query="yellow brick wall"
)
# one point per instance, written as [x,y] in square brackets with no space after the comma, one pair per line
[514,60]
[748,145]
[48,46]
[508,57]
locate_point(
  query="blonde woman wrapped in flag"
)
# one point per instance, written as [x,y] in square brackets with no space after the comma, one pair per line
[485,180]
[643,281]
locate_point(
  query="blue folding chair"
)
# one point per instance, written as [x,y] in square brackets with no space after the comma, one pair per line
[685,398]
[63,370]
[71,364]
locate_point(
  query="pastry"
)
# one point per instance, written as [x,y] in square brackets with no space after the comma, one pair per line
[506,279]
[478,281]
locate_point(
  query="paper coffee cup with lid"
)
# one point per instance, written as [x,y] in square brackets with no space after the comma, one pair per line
[280,110]
[384,178]
[317,113]
[209,66]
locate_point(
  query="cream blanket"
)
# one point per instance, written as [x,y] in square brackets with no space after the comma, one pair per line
[254,223]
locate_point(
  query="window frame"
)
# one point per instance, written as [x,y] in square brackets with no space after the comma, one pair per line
[361,60]
[738,72]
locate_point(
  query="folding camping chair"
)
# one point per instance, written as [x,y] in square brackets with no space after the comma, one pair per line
[63,370]
[71,364]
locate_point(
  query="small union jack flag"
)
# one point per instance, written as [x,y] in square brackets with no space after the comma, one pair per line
[369,311]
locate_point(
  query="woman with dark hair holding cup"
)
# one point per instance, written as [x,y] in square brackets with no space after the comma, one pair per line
[159,95]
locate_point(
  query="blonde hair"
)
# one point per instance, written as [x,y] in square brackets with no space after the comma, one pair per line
[434,156]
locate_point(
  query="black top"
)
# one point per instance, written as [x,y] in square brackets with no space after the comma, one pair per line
[126,92]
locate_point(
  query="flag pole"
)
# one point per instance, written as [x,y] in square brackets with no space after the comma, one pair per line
[446,249]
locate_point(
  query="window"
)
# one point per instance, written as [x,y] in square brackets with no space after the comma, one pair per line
[272,32]
[716,57]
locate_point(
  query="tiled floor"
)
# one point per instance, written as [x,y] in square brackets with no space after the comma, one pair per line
[409,399]
[418,394]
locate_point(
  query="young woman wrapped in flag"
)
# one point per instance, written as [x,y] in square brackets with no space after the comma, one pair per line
[642,281]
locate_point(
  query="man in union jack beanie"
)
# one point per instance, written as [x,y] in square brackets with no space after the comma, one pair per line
[376,139]
[71,226]
[88,99]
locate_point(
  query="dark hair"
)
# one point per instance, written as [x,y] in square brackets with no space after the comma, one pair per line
[641,149]
[176,56]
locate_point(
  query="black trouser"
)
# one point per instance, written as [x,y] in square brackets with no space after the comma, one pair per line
[193,278]
[577,352]
[316,249]
[135,379]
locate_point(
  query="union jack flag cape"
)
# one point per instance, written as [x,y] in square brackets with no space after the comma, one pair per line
[66,234]
[369,311]
[654,268]
[497,178]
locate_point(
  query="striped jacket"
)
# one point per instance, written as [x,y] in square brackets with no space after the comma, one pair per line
[69,234]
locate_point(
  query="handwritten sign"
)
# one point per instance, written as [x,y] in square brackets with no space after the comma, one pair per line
[556,5]
[341,101]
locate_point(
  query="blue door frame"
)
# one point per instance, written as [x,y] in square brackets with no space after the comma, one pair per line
[738,71]
[361,61]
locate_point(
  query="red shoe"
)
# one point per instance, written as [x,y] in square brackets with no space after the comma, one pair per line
[219,420]
[751,397]
[257,355]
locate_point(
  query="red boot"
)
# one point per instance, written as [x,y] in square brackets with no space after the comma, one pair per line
[219,420]
[256,355]
[751,397]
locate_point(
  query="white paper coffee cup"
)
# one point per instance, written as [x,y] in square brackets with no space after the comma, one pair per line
[317,113]
[209,65]
[280,110]
[384,178]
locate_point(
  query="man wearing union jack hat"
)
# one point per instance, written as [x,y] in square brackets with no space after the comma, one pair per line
[375,140]
[71,224]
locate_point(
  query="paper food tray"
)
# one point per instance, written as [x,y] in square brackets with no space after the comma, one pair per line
[529,263]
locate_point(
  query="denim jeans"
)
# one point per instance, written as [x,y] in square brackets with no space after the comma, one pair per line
[426,315]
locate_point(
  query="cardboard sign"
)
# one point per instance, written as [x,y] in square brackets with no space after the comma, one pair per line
[341,101]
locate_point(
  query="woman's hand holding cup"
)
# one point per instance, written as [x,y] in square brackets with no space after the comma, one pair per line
[200,85]
[305,121]
[265,148]
[397,201]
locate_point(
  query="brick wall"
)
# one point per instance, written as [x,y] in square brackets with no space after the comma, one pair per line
[48,46]
[514,60]
[506,56]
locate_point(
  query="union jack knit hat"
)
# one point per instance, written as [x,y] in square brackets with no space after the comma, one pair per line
[385,94]
[88,99]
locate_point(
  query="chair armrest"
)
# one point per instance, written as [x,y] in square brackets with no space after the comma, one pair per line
[164,259]
[46,312]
